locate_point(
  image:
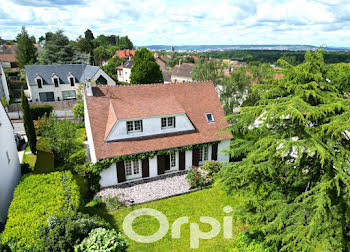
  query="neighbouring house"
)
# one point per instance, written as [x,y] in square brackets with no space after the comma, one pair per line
[10,169]
[160,62]
[124,71]
[8,60]
[166,76]
[144,119]
[125,54]
[48,83]
[182,72]
[4,91]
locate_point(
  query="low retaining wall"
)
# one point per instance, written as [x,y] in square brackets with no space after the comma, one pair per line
[60,113]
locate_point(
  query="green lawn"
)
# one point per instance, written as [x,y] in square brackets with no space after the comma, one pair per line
[207,202]
[28,158]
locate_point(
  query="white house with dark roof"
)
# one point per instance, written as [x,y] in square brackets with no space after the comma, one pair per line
[60,82]
[10,170]
[140,119]
[124,71]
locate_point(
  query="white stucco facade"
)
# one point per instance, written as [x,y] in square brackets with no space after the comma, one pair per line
[124,74]
[10,170]
[109,177]
[57,91]
[151,126]
[89,133]
[4,91]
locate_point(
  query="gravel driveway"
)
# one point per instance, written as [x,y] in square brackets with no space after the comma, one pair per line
[153,190]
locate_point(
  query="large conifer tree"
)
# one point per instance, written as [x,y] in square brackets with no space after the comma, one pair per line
[25,50]
[292,160]
[28,122]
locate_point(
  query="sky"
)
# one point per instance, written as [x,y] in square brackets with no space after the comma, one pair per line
[185,22]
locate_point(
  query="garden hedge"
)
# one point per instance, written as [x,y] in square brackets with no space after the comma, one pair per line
[39,111]
[36,198]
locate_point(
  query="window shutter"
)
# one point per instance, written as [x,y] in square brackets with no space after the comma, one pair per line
[214,151]
[174,121]
[141,126]
[121,172]
[145,168]
[167,162]
[161,164]
[182,160]
[195,157]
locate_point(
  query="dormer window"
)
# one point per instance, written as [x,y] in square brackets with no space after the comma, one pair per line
[39,82]
[71,81]
[210,117]
[168,122]
[134,126]
[56,81]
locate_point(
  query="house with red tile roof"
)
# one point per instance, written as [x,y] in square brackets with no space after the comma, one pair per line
[140,119]
[125,54]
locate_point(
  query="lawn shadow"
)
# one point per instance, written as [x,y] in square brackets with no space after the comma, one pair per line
[101,211]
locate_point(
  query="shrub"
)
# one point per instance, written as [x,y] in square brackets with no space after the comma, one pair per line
[64,232]
[212,167]
[115,202]
[245,242]
[101,239]
[197,177]
[45,158]
[39,111]
[25,168]
[35,199]
[4,248]
[78,158]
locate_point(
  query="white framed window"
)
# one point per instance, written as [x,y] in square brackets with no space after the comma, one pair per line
[132,169]
[168,122]
[203,153]
[172,160]
[134,126]
[210,117]
[69,95]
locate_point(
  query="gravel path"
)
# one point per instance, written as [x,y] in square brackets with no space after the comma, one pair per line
[152,190]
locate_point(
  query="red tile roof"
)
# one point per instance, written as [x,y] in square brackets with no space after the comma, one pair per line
[125,53]
[195,99]
[8,57]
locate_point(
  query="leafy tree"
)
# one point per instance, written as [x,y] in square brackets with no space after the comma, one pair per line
[145,68]
[25,50]
[101,40]
[292,160]
[78,109]
[89,36]
[234,89]
[61,136]
[110,68]
[338,76]
[125,43]
[101,54]
[259,71]
[28,122]
[83,45]
[208,70]
[41,38]
[57,50]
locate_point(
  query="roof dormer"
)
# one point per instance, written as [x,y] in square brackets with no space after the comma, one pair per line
[39,80]
[71,79]
[55,80]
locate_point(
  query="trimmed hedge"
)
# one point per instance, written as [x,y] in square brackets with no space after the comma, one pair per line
[36,198]
[39,111]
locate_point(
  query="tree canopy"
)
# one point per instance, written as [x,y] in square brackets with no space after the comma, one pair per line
[145,68]
[25,50]
[57,49]
[208,70]
[291,152]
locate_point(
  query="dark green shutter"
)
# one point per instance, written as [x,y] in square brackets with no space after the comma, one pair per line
[182,161]
[121,172]
[161,164]
[195,157]
[167,162]
[214,151]
[145,168]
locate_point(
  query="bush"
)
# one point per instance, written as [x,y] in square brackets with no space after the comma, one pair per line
[65,232]
[212,167]
[39,111]
[35,199]
[4,248]
[101,239]
[197,177]
[115,202]
[245,242]
[78,158]
[45,158]
[25,168]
